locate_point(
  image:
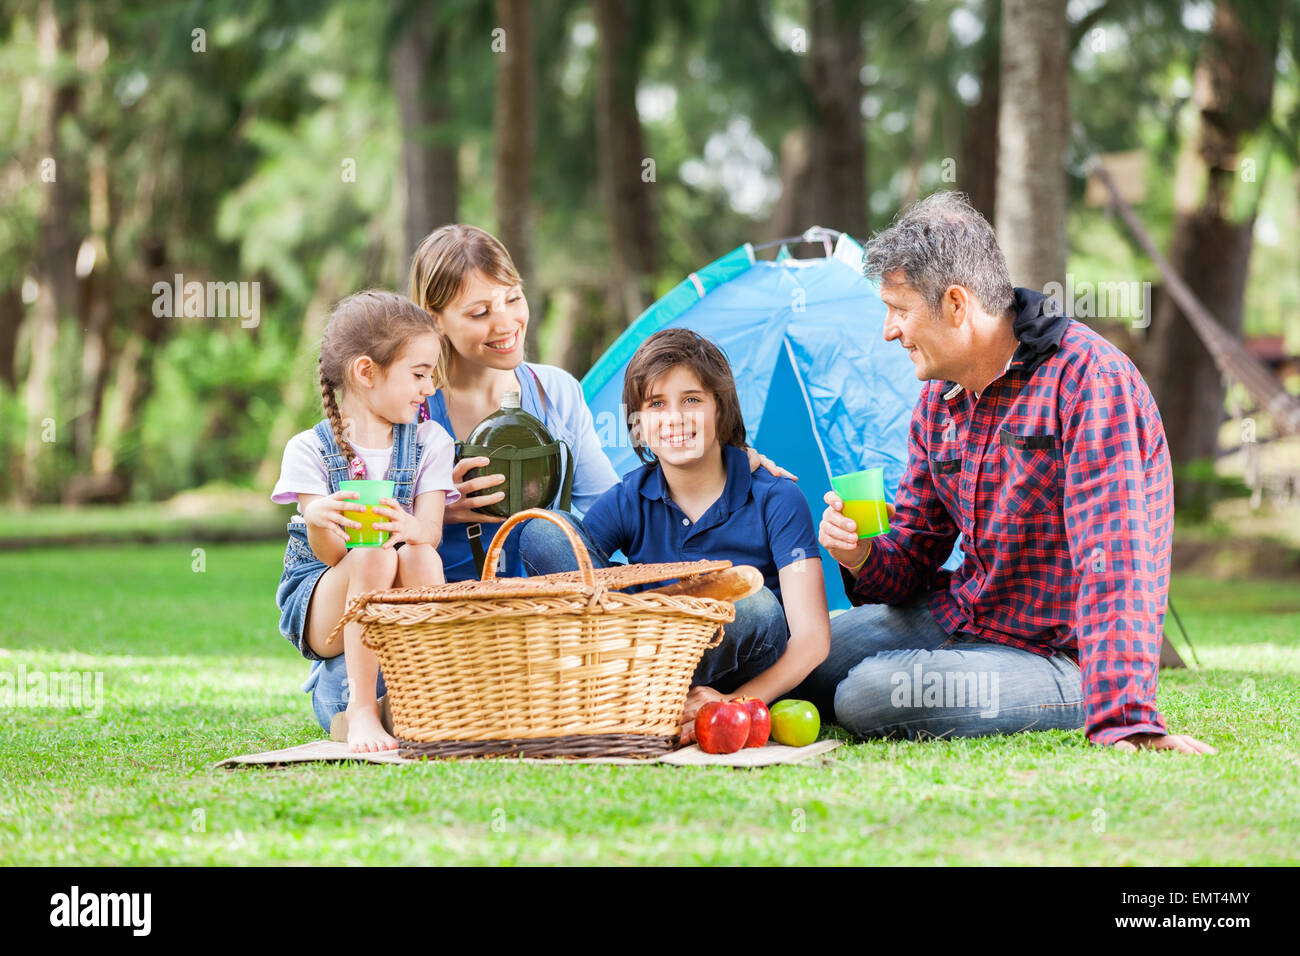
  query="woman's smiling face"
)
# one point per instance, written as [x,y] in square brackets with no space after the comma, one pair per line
[485,323]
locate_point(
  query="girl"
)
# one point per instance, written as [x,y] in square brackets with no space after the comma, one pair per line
[465,279]
[380,351]
[695,498]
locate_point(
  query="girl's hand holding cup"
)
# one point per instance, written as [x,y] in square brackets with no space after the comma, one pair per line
[401,524]
[326,513]
[462,511]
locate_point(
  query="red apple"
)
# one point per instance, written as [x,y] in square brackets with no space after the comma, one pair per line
[722,727]
[760,721]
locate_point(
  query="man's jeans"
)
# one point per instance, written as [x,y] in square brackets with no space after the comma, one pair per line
[894,672]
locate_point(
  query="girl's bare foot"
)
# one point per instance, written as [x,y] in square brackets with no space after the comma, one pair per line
[365,732]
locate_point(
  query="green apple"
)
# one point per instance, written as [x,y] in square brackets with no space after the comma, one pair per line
[795,723]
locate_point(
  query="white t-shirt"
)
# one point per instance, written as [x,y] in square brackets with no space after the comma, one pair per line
[302,472]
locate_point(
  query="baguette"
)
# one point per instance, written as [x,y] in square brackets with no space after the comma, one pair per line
[730,584]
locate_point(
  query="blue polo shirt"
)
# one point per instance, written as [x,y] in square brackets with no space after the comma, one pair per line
[759,520]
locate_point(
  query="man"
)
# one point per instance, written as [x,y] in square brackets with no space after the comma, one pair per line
[1039,444]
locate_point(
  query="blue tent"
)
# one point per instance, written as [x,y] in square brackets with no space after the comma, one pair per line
[821,391]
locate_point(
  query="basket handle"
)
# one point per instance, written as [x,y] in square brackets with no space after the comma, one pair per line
[499,542]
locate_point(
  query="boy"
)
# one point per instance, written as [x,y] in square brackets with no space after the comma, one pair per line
[694,499]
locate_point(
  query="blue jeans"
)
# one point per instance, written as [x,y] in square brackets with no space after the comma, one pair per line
[895,672]
[751,643]
[328,685]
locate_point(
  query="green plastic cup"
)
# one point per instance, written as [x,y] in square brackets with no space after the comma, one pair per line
[863,493]
[370,490]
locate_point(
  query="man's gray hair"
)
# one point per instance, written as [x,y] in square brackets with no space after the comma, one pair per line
[942,241]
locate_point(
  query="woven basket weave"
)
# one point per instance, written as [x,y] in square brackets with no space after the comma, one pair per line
[560,665]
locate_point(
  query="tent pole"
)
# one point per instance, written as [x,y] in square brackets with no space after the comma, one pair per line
[1182,630]
[802,239]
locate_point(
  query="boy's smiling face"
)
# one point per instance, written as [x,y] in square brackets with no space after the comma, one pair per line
[679,418]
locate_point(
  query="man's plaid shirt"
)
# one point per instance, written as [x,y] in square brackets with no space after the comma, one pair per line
[1058,480]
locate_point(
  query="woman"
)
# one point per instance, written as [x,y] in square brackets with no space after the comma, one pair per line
[464,277]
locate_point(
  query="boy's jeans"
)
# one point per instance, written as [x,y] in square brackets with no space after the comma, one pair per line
[893,671]
[750,644]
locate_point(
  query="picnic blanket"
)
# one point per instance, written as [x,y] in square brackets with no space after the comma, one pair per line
[336,751]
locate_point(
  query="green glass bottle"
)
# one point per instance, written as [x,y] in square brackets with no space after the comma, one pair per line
[521,448]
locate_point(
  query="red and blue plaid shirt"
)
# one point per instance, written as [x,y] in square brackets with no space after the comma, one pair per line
[1058,480]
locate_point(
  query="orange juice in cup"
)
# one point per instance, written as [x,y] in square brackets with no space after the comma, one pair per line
[863,493]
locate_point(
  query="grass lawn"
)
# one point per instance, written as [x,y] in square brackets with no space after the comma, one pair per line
[194,671]
[59,526]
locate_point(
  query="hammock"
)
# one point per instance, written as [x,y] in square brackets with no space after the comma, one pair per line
[1229,352]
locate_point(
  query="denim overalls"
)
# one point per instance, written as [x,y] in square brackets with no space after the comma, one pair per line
[327,682]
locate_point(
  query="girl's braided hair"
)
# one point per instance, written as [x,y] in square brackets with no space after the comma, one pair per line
[373,323]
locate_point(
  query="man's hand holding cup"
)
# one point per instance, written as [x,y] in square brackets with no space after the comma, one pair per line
[839,535]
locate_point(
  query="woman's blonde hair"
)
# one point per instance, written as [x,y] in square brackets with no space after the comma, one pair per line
[443,262]
[372,323]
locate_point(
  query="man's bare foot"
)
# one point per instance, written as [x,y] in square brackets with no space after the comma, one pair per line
[365,732]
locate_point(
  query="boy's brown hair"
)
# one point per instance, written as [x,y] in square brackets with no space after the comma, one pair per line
[660,354]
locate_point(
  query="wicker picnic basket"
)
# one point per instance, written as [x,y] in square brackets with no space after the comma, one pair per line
[560,665]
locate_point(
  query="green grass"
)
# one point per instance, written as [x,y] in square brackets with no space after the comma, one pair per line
[56,525]
[194,671]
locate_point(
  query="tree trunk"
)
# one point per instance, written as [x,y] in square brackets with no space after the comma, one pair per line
[1216,198]
[927,99]
[117,444]
[134,386]
[97,299]
[978,174]
[56,257]
[579,338]
[823,162]
[1033,128]
[429,166]
[94,363]
[515,136]
[793,212]
[11,316]
[625,177]
[838,146]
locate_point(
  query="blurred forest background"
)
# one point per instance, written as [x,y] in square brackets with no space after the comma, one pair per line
[614,147]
